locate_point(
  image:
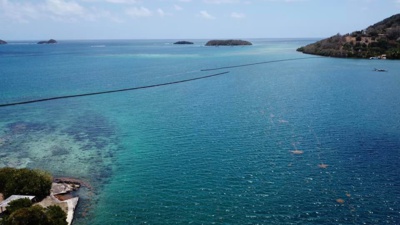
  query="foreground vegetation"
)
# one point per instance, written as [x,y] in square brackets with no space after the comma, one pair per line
[22,211]
[382,38]
[25,182]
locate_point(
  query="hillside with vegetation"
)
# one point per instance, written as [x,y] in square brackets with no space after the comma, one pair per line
[381,40]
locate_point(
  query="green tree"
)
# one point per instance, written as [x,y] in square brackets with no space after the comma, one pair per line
[28,216]
[5,175]
[393,33]
[56,215]
[18,204]
[25,182]
[36,215]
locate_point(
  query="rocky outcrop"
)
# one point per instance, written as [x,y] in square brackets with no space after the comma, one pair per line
[227,43]
[183,43]
[51,41]
[2,42]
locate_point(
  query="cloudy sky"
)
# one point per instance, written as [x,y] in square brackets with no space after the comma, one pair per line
[184,19]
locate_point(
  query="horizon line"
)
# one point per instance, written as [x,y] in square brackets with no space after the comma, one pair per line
[142,39]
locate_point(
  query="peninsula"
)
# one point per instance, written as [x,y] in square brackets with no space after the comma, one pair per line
[227,43]
[2,42]
[36,198]
[379,41]
[51,41]
[183,43]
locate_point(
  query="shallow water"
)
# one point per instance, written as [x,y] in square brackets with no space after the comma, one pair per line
[212,151]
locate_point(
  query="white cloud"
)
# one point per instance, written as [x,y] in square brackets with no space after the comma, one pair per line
[287,1]
[206,15]
[178,8]
[122,1]
[97,14]
[138,12]
[185,0]
[238,15]
[221,1]
[162,13]
[18,12]
[53,10]
[62,8]
[58,10]
[114,1]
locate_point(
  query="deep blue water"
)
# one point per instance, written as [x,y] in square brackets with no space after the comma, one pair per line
[210,151]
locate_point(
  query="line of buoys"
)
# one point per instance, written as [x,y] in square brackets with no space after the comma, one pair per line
[111,91]
[258,63]
[154,85]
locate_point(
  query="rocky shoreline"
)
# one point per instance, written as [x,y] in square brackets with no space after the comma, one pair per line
[64,194]
[72,181]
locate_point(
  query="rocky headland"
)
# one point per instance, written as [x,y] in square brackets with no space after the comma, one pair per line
[51,41]
[183,43]
[227,43]
[379,41]
[2,42]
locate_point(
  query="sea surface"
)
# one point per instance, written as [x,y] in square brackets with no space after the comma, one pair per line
[287,138]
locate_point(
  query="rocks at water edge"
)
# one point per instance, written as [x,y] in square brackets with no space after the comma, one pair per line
[227,43]
[183,43]
[2,42]
[51,41]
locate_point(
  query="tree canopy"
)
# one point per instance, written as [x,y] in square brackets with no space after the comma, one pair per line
[21,211]
[36,215]
[18,204]
[25,182]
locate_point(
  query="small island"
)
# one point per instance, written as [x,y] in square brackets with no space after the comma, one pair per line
[2,42]
[227,43]
[183,43]
[51,41]
[379,41]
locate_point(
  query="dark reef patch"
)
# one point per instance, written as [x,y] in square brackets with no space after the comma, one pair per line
[59,151]
[91,127]
[22,127]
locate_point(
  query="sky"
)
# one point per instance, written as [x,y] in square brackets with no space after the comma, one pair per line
[187,19]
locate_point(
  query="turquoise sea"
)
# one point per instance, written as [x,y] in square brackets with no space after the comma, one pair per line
[314,140]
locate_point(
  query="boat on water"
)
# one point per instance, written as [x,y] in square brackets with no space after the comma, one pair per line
[380,70]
